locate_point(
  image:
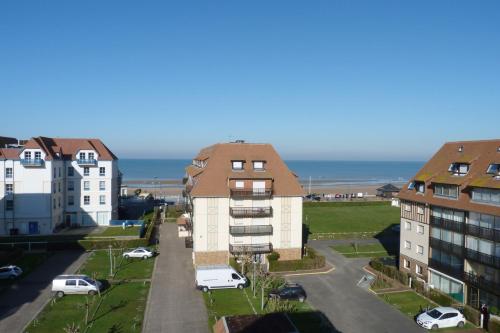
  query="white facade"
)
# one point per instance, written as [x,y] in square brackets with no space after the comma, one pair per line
[36,193]
[415,240]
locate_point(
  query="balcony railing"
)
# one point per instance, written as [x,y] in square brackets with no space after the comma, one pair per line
[237,212]
[32,163]
[451,248]
[487,233]
[250,230]
[251,194]
[482,258]
[454,271]
[481,283]
[447,224]
[251,248]
[83,161]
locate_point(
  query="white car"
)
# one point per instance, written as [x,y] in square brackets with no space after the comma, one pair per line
[10,272]
[75,284]
[441,317]
[140,252]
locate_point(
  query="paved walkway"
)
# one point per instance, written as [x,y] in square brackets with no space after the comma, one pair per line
[21,302]
[349,307]
[174,305]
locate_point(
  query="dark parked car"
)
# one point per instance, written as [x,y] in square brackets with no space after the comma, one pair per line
[289,291]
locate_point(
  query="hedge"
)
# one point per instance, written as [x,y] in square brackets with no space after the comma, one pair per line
[10,256]
[494,326]
[311,261]
[348,203]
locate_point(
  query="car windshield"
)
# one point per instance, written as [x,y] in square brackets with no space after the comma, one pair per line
[434,313]
[89,280]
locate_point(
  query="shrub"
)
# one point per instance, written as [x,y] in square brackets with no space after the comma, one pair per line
[275,305]
[472,315]
[10,256]
[440,298]
[273,256]
[294,265]
[494,326]
[494,310]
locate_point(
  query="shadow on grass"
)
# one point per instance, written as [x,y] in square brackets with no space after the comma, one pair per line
[389,239]
[312,322]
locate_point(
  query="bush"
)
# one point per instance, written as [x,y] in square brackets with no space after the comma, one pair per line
[273,256]
[440,298]
[294,265]
[472,315]
[275,305]
[390,271]
[11,255]
[494,326]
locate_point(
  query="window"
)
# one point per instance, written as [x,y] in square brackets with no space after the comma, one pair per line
[71,282]
[494,169]
[55,173]
[91,156]
[82,156]
[86,200]
[418,269]
[407,207]
[420,187]
[480,245]
[102,185]
[102,171]
[71,171]
[9,188]
[240,184]
[9,204]
[86,171]
[407,245]
[71,185]
[407,225]
[459,169]
[27,155]
[59,202]
[82,283]
[59,187]
[407,263]
[86,185]
[8,173]
[258,165]
[38,156]
[411,185]
[447,191]
[420,249]
[237,165]
[488,196]
[102,199]
[71,200]
[420,229]
[420,210]
[60,172]
[54,203]
[54,188]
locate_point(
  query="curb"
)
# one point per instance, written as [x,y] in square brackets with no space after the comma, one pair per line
[146,311]
[299,273]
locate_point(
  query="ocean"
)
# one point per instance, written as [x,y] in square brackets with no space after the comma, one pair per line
[321,173]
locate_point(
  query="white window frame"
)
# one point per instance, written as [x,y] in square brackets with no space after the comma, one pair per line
[258,165]
[420,229]
[239,184]
[102,185]
[237,165]
[407,225]
[86,200]
[418,269]
[9,172]
[86,171]
[86,185]
[420,210]
[407,245]
[7,190]
[102,171]
[407,263]
[418,248]
[102,200]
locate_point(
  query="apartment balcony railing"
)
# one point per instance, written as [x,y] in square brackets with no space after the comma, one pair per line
[32,163]
[481,232]
[82,161]
[238,212]
[251,248]
[251,194]
[447,224]
[481,283]
[483,258]
[451,248]
[454,271]
[250,230]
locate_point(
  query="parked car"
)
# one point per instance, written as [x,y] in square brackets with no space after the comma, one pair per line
[289,291]
[441,317]
[75,284]
[218,277]
[140,252]
[10,272]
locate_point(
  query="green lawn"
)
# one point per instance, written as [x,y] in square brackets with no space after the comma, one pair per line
[122,305]
[365,250]
[330,218]
[28,262]
[119,231]
[99,263]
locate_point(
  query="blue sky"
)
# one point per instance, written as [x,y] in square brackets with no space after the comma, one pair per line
[341,80]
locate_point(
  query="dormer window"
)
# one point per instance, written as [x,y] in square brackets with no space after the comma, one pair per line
[258,165]
[494,169]
[420,187]
[411,185]
[459,169]
[91,156]
[38,155]
[237,165]
[445,190]
[82,156]
[27,155]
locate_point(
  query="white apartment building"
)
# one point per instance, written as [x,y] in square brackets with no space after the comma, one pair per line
[243,199]
[52,182]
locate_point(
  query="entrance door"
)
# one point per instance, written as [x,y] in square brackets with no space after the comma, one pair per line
[102,218]
[33,228]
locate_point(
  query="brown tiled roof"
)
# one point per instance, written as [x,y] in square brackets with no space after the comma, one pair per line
[478,154]
[212,181]
[67,148]
[9,153]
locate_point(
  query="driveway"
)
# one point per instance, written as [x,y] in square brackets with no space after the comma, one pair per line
[22,301]
[351,309]
[174,305]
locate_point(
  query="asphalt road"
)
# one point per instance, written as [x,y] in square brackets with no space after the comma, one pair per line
[174,305]
[20,304]
[349,308]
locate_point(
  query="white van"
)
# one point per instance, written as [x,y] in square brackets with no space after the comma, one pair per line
[75,284]
[218,277]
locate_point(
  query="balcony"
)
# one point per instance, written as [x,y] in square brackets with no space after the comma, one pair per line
[457,250]
[480,282]
[482,258]
[237,212]
[447,224]
[454,271]
[251,194]
[250,230]
[32,163]
[251,248]
[88,162]
[487,233]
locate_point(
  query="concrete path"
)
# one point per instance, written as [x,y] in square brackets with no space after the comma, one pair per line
[350,308]
[174,305]
[21,302]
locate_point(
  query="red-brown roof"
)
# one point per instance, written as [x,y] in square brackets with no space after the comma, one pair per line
[67,148]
